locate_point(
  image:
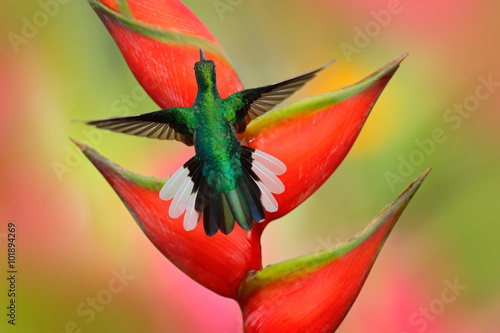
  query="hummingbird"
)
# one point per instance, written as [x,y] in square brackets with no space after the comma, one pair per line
[225,181]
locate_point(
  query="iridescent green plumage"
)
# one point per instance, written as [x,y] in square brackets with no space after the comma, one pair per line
[225,181]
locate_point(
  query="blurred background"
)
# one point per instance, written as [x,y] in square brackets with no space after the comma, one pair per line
[74,235]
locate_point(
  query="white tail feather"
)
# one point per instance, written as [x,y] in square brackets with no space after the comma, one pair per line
[270,162]
[268,201]
[191,217]
[173,184]
[178,205]
[269,179]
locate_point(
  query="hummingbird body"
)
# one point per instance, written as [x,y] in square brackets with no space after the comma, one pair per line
[225,180]
[218,147]
[215,140]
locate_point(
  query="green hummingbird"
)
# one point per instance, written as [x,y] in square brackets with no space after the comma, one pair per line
[225,181]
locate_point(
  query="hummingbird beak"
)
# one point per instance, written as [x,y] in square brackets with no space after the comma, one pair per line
[202,55]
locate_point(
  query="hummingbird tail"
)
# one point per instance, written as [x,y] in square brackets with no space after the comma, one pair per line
[244,204]
[262,170]
[253,192]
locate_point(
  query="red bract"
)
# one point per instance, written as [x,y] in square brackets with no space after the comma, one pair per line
[312,137]
[160,41]
[219,263]
[313,293]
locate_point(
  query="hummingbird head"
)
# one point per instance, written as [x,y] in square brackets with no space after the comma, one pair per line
[205,72]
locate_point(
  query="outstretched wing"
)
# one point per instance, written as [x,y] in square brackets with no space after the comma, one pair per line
[246,105]
[166,124]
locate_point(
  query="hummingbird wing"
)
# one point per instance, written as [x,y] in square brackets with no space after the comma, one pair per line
[246,105]
[166,124]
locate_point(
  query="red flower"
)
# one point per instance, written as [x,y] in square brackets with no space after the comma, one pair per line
[314,293]
[160,42]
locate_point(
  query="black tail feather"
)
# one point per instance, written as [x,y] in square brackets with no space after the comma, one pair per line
[226,217]
[207,205]
[252,193]
[240,207]
[244,205]
[221,211]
